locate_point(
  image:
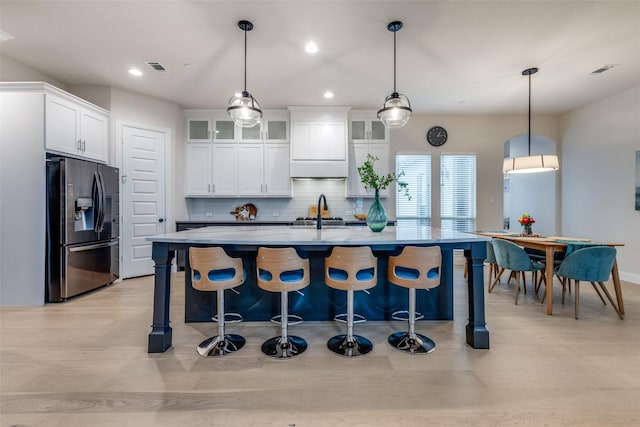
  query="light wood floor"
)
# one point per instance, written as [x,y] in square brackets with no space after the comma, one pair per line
[84,363]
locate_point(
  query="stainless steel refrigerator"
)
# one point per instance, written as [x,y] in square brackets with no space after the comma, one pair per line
[82,227]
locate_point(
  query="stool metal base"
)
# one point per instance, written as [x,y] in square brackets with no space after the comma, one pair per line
[283,348]
[419,344]
[357,346]
[217,346]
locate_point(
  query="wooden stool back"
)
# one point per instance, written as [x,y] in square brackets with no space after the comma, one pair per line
[351,260]
[226,271]
[277,261]
[421,259]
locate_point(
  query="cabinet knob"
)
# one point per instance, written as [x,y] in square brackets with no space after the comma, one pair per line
[160,219]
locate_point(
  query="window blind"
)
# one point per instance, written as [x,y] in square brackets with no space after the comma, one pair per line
[458,191]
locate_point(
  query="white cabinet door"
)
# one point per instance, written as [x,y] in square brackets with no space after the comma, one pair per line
[198,129]
[318,141]
[276,170]
[357,156]
[62,126]
[381,166]
[225,170]
[250,170]
[94,132]
[224,130]
[198,179]
[366,127]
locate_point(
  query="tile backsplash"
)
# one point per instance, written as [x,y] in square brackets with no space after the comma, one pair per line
[305,193]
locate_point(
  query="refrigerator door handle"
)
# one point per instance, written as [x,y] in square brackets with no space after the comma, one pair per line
[92,247]
[102,201]
[98,198]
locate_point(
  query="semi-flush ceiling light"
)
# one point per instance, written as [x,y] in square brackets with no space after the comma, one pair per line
[397,109]
[531,164]
[243,108]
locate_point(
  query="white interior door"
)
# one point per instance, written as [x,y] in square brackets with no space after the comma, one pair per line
[143,197]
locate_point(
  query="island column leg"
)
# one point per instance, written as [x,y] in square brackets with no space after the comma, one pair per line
[160,335]
[477,332]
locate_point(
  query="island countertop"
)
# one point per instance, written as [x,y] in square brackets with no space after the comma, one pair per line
[401,234]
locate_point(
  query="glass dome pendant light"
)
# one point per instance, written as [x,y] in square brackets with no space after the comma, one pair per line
[529,163]
[243,107]
[396,110]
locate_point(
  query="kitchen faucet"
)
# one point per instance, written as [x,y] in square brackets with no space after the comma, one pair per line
[319,219]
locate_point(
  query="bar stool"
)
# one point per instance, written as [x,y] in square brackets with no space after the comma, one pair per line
[350,269]
[213,270]
[282,270]
[415,268]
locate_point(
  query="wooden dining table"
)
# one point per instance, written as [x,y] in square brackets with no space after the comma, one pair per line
[550,245]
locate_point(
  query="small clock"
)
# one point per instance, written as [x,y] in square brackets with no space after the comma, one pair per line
[437,136]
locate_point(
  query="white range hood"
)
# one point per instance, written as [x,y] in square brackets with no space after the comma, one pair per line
[319,142]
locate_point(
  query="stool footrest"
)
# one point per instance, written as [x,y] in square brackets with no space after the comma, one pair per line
[342,318]
[230,318]
[219,346]
[292,319]
[284,347]
[353,346]
[404,315]
[416,344]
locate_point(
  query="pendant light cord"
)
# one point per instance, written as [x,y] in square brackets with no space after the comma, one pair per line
[245,61]
[529,114]
[394,61]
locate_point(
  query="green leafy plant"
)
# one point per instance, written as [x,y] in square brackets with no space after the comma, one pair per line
[373,181]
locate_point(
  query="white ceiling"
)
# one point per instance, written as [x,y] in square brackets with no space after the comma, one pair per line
[455,56]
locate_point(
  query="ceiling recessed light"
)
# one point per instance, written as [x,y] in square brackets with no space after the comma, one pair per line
[328,94]
[135,72]
[311,47]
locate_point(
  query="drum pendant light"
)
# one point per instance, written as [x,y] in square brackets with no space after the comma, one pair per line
[243,107]
[530,164]
[396,110]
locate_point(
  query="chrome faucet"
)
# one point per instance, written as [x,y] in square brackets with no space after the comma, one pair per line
[319,219]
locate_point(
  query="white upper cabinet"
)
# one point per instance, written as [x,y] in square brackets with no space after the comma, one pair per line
[274,127]
[216,125]
[76,128]
[364,126]
[232,161]
[319,142]
[210,125]
[367,136]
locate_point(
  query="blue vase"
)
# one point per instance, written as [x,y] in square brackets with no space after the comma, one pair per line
[377,215]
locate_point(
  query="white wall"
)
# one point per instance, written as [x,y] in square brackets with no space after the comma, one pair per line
[14,71]
[599,143]
[482,135]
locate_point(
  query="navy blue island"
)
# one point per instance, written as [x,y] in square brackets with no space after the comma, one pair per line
[318,301]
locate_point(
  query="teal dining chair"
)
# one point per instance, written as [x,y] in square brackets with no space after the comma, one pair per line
[512,257]
[590,264]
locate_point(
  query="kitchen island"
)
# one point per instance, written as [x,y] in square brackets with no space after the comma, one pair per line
[319,302]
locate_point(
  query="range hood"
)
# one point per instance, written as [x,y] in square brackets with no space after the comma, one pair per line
[319,142]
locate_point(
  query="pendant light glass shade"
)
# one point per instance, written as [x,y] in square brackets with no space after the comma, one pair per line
[243,108]
[529,163]
[396,110]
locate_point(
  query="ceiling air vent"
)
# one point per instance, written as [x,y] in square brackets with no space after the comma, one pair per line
[603,69]
[156,66]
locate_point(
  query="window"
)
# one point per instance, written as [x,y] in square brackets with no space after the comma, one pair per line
[458,191]
[417,173]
